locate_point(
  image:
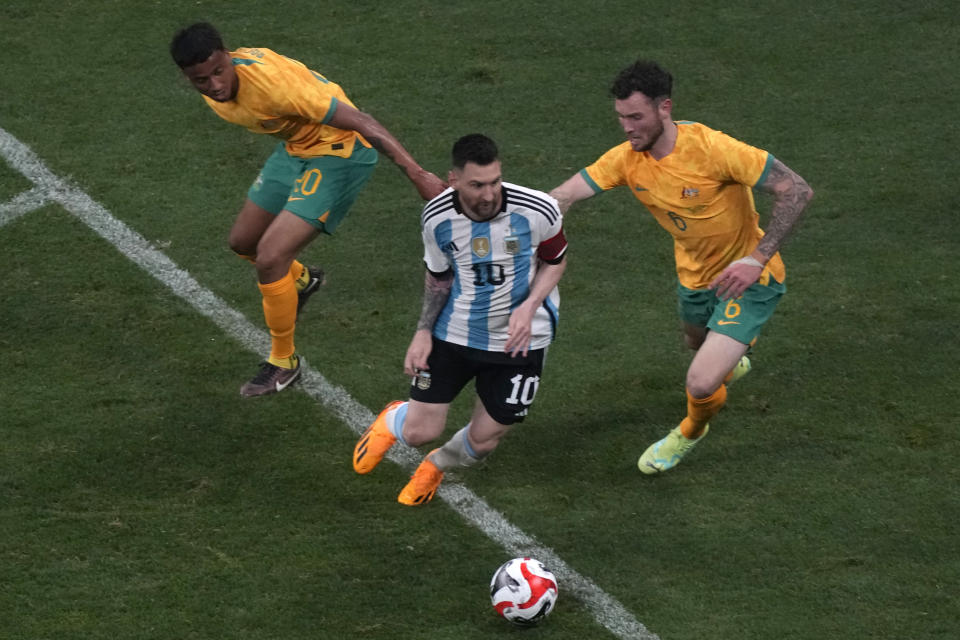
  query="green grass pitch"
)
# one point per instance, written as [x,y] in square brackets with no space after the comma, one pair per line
[140,498]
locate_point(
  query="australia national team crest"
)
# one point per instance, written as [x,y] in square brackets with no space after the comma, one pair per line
[481,247]
[689,192]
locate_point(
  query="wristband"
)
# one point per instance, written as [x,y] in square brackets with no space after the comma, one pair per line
[753,262]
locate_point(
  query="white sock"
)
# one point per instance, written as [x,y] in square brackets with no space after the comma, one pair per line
[456,452]
[395,419]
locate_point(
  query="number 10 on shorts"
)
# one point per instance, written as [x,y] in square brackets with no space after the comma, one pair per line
[523,391]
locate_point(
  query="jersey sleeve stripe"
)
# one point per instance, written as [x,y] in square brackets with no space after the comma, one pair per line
[331,111]
[766,169]
[593,185]
[549,214]
[530,201]
[438,205]
[537,196]
[545,209]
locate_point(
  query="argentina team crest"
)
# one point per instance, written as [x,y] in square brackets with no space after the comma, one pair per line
[511,244]
[422,380]
[481,247]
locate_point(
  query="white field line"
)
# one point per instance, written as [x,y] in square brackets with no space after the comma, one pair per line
[22,204]
[49,188]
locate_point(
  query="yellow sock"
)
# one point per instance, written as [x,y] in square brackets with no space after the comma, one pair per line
[280,312]
[700,410]
[250,259]
[300,275]
[284,363]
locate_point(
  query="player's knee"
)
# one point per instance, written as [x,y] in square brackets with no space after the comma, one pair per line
[702,385]
[416,434]
[241,244]
[271,262]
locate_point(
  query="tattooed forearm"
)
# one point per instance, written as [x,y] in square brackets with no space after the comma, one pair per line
[791,195]
[436,290]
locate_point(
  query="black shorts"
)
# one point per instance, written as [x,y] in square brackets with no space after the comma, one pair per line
[505,385]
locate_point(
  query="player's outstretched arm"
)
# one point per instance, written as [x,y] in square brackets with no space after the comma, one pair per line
[346,117]
[573,190]
[520,327]
[791,194]
[436,290]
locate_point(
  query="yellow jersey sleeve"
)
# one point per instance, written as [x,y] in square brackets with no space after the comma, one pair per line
[736,161]
[281,97]
[609,170]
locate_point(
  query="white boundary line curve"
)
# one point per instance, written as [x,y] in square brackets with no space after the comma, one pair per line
[48,188]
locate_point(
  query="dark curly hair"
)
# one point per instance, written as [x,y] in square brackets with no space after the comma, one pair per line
[476,148]
[645,76]
[195,44]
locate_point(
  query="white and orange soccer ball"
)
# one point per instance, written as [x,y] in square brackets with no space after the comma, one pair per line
[523,591]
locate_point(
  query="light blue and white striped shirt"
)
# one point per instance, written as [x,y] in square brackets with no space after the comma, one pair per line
[494,263]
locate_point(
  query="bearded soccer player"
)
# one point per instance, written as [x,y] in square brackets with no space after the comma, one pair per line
[494,253]
[305,188]
[697,182]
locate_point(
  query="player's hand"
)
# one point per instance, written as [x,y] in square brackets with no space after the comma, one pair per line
[418,352]
[519,331]
[428,185]
[734,280]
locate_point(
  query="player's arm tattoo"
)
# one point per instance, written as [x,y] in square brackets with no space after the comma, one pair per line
[436,290]
[791,194]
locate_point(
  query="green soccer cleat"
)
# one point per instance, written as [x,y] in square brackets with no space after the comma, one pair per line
[667,453]
[741,369]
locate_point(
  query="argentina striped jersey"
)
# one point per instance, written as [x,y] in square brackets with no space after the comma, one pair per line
[494,263]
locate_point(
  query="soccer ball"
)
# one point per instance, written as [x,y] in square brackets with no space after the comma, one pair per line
[523,591]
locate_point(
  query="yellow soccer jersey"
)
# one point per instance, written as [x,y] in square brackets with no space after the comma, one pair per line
[701,193]
[282,97]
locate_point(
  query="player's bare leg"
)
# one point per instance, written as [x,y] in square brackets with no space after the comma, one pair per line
[485,433]
[716,357]
[467,447]
[412,423]
[280,244]
[425,421]
[248,228]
